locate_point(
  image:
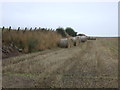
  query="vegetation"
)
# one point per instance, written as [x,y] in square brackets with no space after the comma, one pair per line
[36,39]
[66,32]
[93,64]
[81,35]
[70,31]
[30,40]
[61,31]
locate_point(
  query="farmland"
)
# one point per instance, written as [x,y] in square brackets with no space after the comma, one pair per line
[93,64]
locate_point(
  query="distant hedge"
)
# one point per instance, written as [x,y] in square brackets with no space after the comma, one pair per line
[70,31]
[61,31]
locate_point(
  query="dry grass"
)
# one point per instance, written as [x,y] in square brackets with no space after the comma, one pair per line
[93,64]
[31,40]
[111,42]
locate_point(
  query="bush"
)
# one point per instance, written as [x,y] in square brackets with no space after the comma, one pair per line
[81,35]
[32,43]
[61,31]
[71,32]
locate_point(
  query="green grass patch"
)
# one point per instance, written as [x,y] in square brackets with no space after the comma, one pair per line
[22,74]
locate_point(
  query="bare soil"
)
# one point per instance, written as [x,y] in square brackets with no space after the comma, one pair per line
[93,64]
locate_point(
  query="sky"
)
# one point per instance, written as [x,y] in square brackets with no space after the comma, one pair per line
[90,18]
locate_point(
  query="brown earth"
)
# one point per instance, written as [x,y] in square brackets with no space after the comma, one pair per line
[93,64]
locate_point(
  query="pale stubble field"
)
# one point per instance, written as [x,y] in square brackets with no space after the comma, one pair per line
[93,64]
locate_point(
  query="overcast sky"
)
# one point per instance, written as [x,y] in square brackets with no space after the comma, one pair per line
[91,18]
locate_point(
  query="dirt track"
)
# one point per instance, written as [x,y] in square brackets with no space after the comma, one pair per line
[93,64]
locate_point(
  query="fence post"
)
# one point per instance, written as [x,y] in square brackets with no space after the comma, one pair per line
[3,28]
[9,28]
[25,29]
[39,28]
[18,28]
[30,28]
[35,28]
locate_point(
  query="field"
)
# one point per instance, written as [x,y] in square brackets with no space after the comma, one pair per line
[93,64]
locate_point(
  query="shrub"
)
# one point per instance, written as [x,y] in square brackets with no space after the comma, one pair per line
[71,32]
[32,43]
[61,31]
[81,35]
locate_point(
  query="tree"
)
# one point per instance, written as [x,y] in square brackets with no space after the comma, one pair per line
[70,31]
[61,31]
[81,35]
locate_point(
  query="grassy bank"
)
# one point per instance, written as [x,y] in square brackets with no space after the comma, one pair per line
[30,41]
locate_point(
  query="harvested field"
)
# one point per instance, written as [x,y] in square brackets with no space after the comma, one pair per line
[93,64]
